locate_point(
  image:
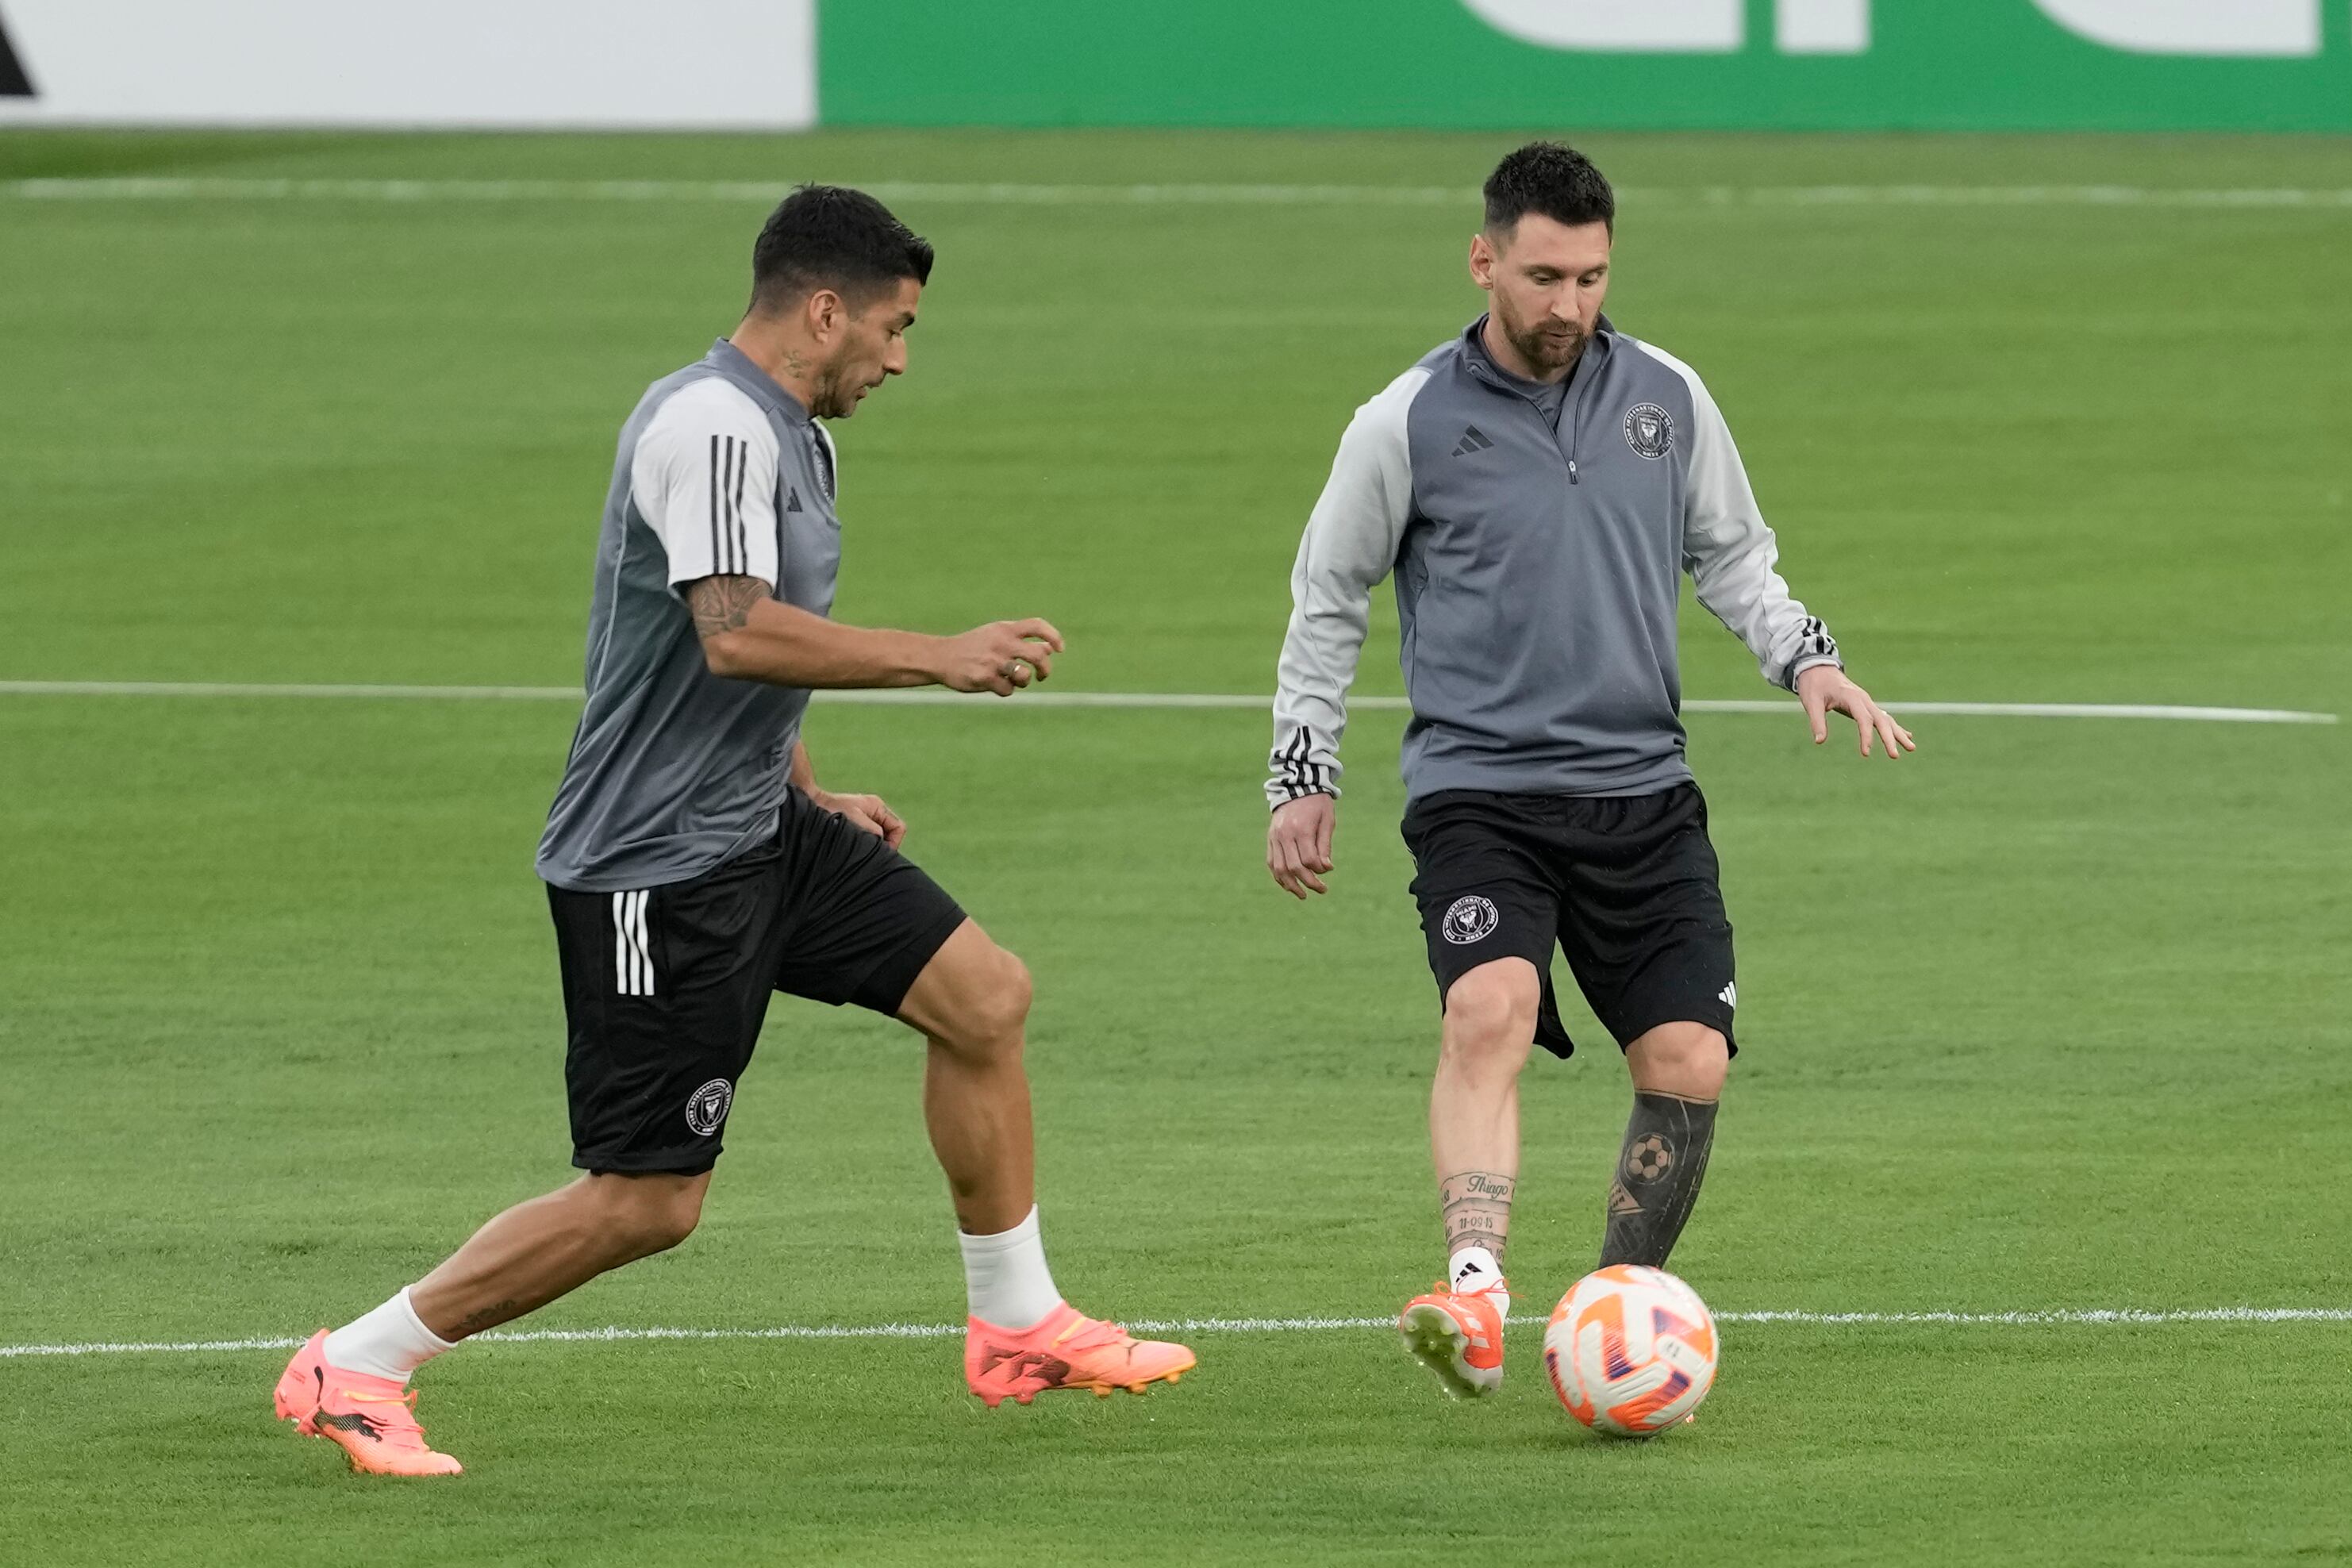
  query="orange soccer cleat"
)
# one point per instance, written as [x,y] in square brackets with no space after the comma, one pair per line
[1068,1349]
[1458,1336]
[368,1417]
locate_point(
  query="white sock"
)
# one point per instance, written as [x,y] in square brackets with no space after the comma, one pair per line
[1005,1276]
[391,1342]
[1474,1269]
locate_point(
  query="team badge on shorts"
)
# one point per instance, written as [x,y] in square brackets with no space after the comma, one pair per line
[706,1108]
[1470,918]
[1649,430]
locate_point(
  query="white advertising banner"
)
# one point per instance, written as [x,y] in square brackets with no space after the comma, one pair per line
[642,63]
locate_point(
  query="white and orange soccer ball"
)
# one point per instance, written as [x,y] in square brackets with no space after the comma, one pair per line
[1631,1350]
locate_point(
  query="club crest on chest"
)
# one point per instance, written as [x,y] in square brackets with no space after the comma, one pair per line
[1649,430]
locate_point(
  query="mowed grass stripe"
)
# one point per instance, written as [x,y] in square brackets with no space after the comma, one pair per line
[2024,1318]
[1018,194]
[1211,699]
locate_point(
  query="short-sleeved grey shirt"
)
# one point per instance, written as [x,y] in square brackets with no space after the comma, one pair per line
[674,770]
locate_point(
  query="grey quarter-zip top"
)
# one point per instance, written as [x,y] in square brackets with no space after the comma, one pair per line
[1537,535]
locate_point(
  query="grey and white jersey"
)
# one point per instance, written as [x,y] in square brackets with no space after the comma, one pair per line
[1538,545]
[674,770]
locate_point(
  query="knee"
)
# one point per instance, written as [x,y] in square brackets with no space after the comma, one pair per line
[1687,1059]
[643,1214]
[994,1013]
[672,1218]
[1490,1015]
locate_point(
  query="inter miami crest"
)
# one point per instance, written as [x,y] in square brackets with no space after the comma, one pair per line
[1471,919]
[706,1108]
[1649,430]
[14,81]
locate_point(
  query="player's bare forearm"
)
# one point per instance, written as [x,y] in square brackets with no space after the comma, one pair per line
[749,634]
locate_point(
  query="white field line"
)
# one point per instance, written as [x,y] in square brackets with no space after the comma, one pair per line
[2051,1318]
[923,696]
[1007,193]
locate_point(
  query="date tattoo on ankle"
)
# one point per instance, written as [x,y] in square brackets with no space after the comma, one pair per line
[1477,1210]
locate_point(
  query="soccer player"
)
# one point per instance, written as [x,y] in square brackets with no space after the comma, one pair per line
[693,865]
[1536,486]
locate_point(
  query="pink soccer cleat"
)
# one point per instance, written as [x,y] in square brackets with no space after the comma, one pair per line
[1067,1349]
[370,1419]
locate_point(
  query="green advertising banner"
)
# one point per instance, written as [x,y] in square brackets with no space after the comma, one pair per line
[2123,65]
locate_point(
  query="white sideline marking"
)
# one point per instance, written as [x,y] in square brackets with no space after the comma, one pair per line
[2055,1317]
[934,695]
[1010,194]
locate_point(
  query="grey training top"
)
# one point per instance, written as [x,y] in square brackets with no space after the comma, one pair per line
[1537,553]
[674,770]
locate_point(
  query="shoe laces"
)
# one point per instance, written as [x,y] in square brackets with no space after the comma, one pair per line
[1092,1333]
[401,1423]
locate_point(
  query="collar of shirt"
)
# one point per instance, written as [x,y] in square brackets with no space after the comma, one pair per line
[1548,396]
[736,366]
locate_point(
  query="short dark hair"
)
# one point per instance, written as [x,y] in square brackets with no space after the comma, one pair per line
[830,236]
[1557,181]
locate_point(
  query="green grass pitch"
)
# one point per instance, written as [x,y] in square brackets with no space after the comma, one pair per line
[2051,1016]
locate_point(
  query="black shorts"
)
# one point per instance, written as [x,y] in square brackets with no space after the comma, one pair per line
[1626,885]
[665,988]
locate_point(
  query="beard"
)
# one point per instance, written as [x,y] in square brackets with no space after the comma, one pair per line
[1545,350]
[834,395]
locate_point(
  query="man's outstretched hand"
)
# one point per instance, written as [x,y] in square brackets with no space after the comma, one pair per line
[1824,690]
[1299,843]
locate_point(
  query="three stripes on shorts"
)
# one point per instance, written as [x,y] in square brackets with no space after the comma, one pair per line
[633,949]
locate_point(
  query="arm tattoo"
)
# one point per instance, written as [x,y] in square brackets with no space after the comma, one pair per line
[1477,1207]
[723,604]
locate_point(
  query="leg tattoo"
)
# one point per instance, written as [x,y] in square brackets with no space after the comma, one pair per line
[1477,1208]
[1658,1173]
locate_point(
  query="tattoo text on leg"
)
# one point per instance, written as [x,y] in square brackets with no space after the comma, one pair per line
[1477,1210]
[474,1323]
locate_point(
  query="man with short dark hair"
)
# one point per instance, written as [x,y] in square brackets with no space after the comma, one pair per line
[694,866]
[1536,486]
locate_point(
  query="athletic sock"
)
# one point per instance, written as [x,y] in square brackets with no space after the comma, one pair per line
[1474,1269]
[391,1342]
[1658,1175]
[1005,1277]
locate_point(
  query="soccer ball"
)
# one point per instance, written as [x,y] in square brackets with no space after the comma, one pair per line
[1631,1350]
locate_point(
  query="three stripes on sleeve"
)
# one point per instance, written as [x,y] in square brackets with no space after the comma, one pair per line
[703,477]
[729,543]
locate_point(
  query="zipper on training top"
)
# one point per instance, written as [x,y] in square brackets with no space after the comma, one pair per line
[1570,397]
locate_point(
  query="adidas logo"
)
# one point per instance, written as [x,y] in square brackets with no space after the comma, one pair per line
[1472,440]
[1729,995]
[794,504]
